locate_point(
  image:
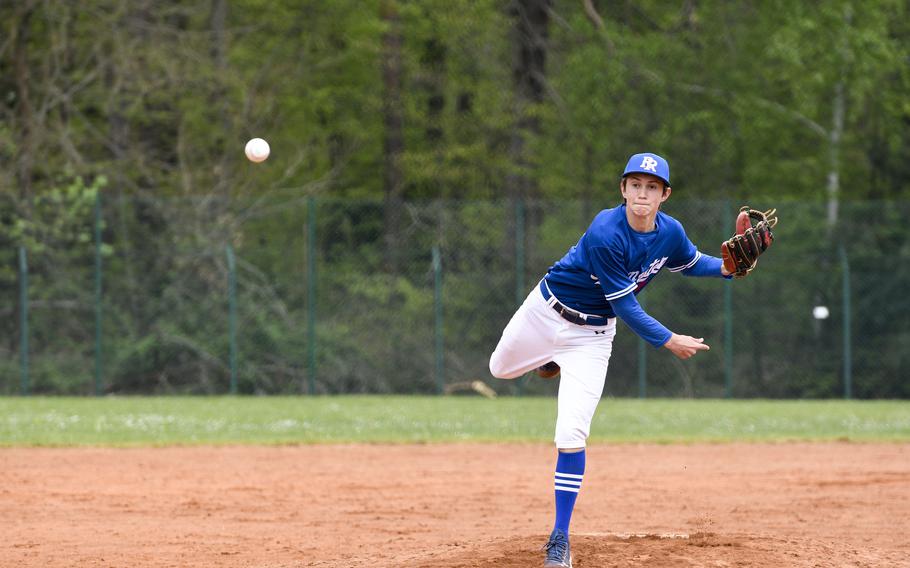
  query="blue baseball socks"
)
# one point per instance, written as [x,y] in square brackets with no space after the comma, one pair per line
[570,470]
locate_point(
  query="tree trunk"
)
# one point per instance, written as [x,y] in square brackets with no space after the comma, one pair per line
[219,97]
[588,190]
[393,142]
[26,150]
[529,58]
[115,78]
[834,138]
[64,44]
[837,126]
[433,62]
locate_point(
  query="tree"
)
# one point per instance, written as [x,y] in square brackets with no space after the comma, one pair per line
[393,138]
[531,20]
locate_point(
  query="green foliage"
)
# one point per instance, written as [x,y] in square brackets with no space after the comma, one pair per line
[738,95]
[152,104]
[165,299]
[57,232]
[60,218]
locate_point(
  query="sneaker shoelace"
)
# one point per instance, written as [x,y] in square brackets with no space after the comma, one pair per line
[556,548]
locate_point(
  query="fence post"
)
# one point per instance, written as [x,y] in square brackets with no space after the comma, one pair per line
[311,294]
[728,315]
[232,314]
[437,302]
[848,355]
[520,291]
[642,362]
[23,322]
[99,369]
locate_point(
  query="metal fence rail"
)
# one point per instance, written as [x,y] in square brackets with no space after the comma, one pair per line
[316,296]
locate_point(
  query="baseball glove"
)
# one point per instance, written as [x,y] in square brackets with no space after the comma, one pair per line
[740,253]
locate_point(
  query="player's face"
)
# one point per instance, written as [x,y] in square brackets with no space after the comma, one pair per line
[644,193]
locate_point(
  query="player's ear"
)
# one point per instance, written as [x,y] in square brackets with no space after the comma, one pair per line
[666,194]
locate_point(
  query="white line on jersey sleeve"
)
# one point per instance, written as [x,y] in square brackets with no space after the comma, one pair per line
[622,292]
[690,264]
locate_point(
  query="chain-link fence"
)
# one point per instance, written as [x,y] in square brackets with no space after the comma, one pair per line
[306,295]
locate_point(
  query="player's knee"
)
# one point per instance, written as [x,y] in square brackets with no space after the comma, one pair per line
[499,369]
[570,437]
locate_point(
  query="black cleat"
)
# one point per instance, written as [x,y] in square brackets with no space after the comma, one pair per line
[558,554]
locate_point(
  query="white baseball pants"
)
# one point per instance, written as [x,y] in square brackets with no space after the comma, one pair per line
[536,335]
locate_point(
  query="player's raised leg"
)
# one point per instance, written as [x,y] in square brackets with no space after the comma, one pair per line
[527,342]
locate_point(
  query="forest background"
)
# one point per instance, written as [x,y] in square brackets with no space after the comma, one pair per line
[429,160]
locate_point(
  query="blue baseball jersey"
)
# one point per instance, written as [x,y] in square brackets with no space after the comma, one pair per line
[611,260]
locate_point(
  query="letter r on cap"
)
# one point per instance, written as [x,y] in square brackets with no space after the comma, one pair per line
[649,164]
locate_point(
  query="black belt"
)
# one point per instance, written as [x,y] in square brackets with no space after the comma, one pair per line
[569,314]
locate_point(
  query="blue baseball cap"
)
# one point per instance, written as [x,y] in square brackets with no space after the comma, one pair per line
[648,163]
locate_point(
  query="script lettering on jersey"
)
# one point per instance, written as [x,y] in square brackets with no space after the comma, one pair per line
[649,164]
[652,269]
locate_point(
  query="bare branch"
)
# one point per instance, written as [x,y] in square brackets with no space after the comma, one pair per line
[598,22]
[591,13]
[759,101]
[729,96]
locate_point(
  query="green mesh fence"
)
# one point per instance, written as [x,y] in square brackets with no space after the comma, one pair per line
[342,296]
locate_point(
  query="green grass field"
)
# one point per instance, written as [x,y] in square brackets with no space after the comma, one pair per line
[40,421]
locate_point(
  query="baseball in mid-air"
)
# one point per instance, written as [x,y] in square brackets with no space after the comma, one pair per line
[820,312]
[257,150]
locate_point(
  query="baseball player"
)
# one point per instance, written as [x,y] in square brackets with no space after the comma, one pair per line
[568,321]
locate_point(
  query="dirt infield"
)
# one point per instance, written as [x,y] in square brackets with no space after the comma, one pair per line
[447,506]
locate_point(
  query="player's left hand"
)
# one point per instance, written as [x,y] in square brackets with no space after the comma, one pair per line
[740,253]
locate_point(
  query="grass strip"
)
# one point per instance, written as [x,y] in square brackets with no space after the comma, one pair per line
[127,421]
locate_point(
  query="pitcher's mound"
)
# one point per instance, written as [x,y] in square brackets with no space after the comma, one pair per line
[604,550]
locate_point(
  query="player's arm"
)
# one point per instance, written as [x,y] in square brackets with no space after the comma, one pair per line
[628,309]
[618,287]
[688,260]
[706,265]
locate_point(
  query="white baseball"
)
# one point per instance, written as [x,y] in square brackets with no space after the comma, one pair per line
[257,150]
[820,312]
